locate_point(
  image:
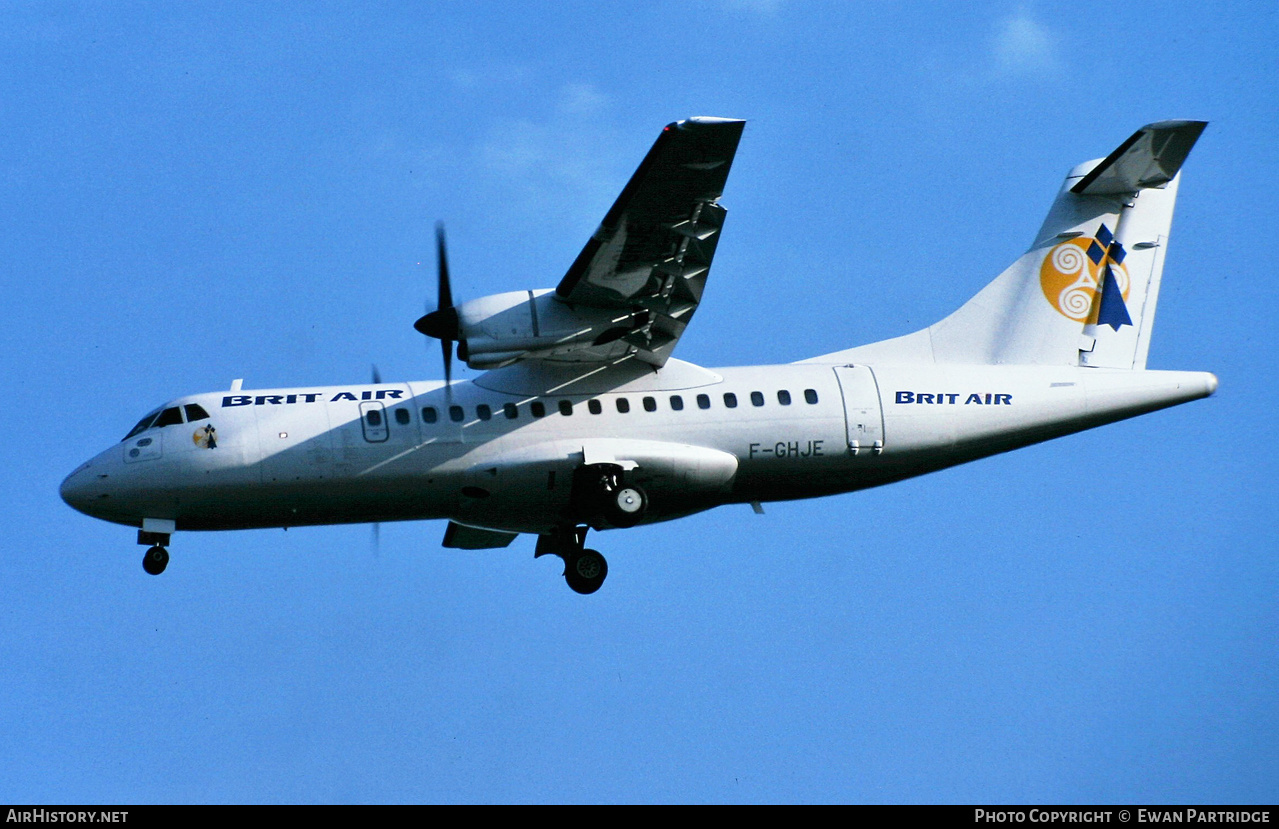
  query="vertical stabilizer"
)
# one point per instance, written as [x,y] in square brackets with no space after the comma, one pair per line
[1085,292]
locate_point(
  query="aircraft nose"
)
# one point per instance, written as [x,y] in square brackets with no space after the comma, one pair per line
[75,489]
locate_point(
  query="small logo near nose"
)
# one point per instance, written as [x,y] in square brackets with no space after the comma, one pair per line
[206,438]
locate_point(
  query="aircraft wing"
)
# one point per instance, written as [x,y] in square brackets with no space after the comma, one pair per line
[651,254]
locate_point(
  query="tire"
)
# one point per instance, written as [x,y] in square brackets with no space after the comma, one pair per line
[625,506]
[155,560]
[586,571]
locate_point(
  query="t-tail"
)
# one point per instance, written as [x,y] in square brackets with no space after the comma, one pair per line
[1085,293]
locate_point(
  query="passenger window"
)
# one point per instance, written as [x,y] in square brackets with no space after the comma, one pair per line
[374,417]
[484,412]
[703,401]
[810,396]
[566,407]
[195,412]
[650,404]
[402,416]
[783,397]
[757,398]
[623,405]
[430,415]
[677,402]
[538,409]
[510,410]
[730,400]
[169,417]
[456,414]
[594,407]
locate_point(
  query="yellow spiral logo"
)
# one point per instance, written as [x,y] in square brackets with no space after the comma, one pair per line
[1071,278]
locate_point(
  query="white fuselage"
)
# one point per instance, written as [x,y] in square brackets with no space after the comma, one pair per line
[385,452]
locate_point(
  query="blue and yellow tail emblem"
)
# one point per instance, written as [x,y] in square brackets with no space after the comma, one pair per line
[1085,279]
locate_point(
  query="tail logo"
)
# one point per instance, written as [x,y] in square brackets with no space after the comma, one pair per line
[1085,279]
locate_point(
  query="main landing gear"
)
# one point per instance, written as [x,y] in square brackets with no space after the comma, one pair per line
[584,570]
[601,498]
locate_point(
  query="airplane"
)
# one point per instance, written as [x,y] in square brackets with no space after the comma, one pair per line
[583,420]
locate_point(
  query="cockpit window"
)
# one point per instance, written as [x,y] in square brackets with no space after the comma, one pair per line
[169,417]
[195,412]
[143,424]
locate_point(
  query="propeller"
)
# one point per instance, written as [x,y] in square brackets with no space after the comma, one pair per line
[377,527]
[442,323]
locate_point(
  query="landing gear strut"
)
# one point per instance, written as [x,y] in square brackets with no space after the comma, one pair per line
[155,560]
[584,570]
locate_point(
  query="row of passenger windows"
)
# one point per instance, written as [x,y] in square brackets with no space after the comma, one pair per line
[538,409]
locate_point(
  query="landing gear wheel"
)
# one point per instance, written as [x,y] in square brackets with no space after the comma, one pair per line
[155,560]
[585,571]
[625,507]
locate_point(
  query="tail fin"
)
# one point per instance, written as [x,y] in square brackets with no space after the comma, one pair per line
[1085,292]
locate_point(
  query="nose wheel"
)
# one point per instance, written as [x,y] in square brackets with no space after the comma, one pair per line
[155,560]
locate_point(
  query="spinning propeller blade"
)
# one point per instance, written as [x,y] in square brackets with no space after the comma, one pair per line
[442,323]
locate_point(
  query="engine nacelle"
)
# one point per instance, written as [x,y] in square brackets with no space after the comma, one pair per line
[501,329]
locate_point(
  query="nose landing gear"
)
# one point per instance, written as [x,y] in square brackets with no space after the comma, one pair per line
[156,533]
[584,570]
[155,560]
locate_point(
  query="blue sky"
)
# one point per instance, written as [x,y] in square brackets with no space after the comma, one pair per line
[196,194]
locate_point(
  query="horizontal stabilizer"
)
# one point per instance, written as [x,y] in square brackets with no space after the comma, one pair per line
[1150,158]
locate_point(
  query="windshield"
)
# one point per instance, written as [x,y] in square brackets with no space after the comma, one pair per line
[143,423]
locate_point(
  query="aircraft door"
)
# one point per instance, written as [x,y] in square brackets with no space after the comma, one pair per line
[373,421]
[370,426]
[863,414]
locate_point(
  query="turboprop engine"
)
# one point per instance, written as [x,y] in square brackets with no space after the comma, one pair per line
[500,329]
